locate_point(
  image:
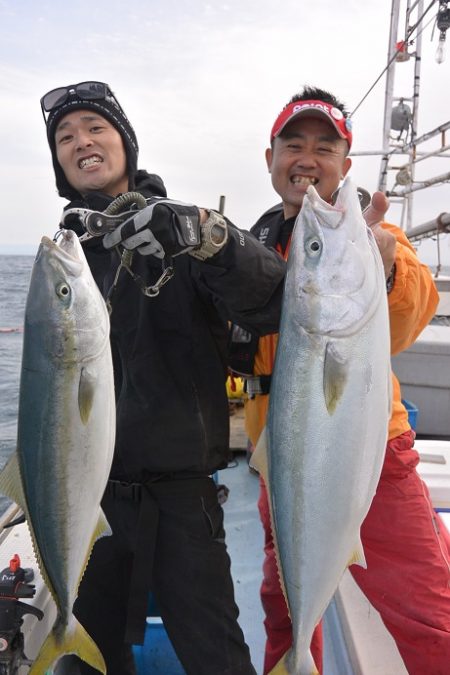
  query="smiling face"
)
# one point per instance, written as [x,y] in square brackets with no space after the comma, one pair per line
[308,152]
[91,153]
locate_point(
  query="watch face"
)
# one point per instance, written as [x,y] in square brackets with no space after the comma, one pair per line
[217,234]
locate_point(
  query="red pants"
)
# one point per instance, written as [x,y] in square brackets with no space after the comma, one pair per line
[407,549]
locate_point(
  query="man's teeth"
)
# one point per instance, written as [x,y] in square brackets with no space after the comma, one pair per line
[89,161]
[304,180]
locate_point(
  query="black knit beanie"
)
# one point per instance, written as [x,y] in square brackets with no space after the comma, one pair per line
[110,111]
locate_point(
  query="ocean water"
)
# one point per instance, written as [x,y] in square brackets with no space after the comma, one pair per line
[15,274]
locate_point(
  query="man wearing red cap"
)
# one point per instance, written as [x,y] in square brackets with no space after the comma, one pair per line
[406,546]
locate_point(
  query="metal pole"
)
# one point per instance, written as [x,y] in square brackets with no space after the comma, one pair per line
[415,117]
[425,137]
[413,187]
[420,156]
[389,92]
[439,224]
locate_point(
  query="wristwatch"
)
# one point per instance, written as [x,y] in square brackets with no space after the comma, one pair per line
[214,234]
[391,278]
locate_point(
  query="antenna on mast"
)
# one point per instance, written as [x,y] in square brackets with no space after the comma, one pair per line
[443,24]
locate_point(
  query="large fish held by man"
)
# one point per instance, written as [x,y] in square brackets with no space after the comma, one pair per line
[66,430]
[329,408]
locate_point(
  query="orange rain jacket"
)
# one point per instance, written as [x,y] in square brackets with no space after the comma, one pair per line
[412,304]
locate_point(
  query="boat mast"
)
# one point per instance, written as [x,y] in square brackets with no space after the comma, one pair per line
[399,116]
[397,53]
[415,114]
[389,94]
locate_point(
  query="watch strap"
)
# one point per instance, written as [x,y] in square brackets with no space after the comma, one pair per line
[214,234]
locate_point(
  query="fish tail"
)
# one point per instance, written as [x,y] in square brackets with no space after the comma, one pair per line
[73,640]
[305,667]
[280,668]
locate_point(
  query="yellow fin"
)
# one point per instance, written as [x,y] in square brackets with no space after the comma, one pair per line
[357,557]
[335,370]
[258,459]
[307,666]
[86,390]
[74,640]
[281,667]
[11,485]
[102,529]
[11,482]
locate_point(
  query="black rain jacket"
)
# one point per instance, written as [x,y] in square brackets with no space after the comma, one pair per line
[170,351]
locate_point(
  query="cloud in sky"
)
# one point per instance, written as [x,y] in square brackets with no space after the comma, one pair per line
[202,83]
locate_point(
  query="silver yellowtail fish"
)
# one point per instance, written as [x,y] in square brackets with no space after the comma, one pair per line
[66,431]
[329,408]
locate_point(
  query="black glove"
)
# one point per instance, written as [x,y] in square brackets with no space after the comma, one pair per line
[163,228]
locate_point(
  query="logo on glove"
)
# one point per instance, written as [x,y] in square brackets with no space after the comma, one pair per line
[191,230]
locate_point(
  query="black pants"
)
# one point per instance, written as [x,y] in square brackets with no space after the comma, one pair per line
[191,580]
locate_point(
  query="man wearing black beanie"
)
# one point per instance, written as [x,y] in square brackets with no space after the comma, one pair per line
[170,361]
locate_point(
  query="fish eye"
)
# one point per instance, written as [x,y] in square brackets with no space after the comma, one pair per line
[313,247]
[63,290]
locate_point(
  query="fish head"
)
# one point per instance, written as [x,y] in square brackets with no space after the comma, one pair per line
[334,270]
[64,304]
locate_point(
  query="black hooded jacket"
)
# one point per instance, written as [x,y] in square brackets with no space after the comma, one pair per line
[170,351]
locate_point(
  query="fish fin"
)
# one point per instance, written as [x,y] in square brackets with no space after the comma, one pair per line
[11,482]
[306,666]
[39,560]
[258,460]
[280,668]
[11,485]
[358,557]
[86,390]
[102,529]
[335,370]
[73,640]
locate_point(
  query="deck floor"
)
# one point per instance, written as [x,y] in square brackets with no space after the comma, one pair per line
[244,536]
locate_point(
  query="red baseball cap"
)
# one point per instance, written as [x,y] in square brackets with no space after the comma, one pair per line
[342,124]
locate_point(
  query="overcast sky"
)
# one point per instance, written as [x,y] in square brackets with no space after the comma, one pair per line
[202,83]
